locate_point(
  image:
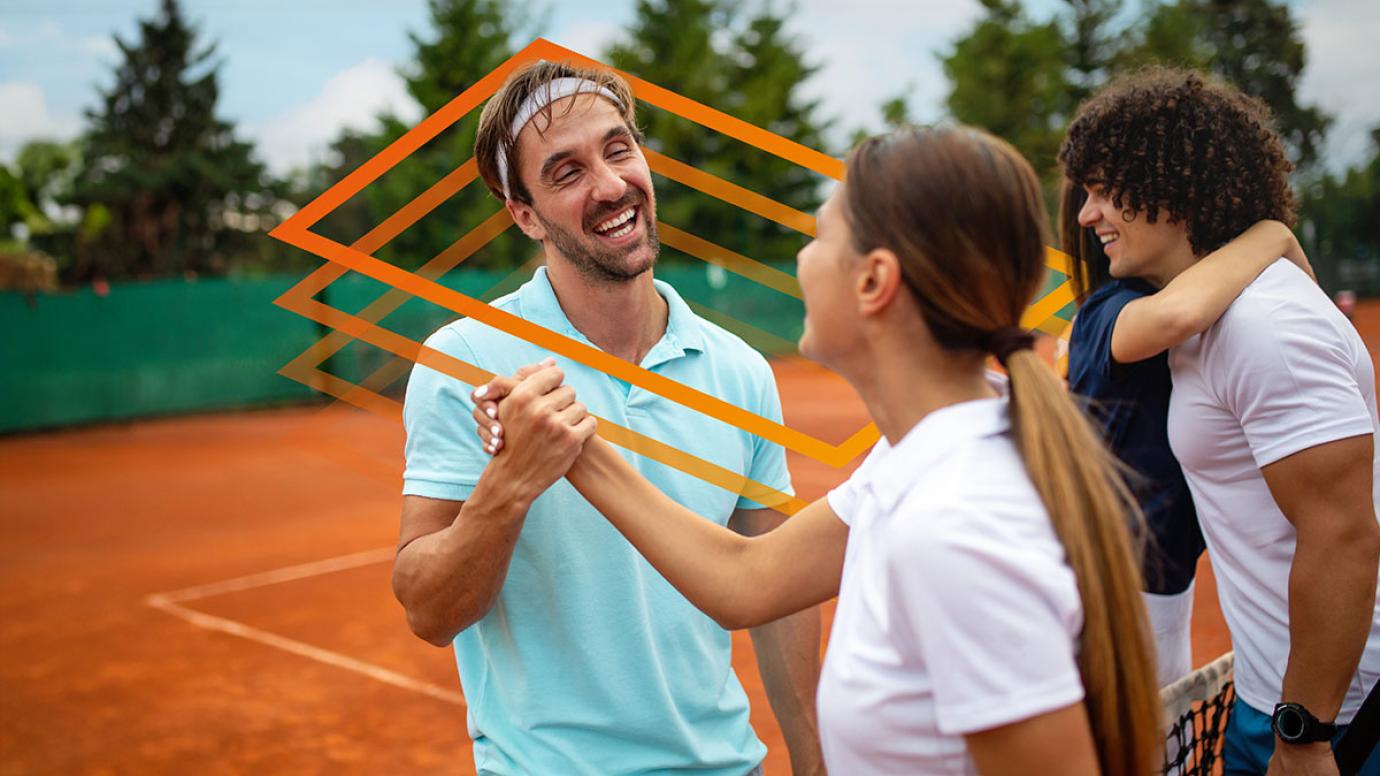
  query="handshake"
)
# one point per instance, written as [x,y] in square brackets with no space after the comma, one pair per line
[535,421]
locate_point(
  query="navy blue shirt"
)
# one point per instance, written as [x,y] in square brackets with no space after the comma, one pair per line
[1130,402]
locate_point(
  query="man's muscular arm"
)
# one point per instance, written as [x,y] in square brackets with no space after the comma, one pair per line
[453,556]
[1326,492]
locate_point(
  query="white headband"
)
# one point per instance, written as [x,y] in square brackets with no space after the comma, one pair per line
[555,89]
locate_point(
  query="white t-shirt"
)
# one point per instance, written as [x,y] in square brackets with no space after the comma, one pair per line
[1280,372]
[957,609]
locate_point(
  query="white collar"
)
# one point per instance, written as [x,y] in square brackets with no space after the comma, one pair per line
[931,441]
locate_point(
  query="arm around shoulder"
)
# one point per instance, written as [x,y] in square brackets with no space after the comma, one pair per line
[1198,296]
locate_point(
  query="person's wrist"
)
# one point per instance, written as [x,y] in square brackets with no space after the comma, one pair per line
[510,491]
[580,467]
[1294,723]
[1302,753]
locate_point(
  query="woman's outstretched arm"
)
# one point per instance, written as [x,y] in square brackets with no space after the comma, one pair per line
[738,580]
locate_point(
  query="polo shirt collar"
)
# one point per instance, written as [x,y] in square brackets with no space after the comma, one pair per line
[933,440]
[684,330]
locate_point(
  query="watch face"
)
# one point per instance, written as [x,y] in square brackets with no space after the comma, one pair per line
[1289,723]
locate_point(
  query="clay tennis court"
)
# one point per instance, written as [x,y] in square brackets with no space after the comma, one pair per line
[211,594]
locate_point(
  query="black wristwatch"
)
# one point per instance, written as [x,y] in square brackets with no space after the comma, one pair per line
[1296,725]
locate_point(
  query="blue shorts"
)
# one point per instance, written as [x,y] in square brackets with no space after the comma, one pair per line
[1249,742]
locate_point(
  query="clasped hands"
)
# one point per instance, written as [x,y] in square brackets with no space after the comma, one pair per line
[534,419]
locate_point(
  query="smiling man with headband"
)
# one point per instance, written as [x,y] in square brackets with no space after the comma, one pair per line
[575,656]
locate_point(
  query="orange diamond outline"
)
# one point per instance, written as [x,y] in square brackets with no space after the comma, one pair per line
[404,285]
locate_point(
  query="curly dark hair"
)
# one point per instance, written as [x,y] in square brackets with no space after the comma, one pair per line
[1193,146]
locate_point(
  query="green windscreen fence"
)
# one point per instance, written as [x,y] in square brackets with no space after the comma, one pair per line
[146,348]
[170,346]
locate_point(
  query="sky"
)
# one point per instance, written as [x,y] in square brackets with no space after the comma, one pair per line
[293,74]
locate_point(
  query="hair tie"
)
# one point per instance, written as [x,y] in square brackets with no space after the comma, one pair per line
[1003,342]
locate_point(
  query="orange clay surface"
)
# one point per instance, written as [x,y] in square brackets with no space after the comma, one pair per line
[305,671]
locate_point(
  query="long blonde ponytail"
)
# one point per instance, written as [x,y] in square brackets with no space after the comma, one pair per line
[1087,502]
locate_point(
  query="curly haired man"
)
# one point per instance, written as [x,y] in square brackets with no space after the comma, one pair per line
[1272,413]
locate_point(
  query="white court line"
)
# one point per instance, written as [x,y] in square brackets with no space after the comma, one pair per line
[276,576]
[170,603]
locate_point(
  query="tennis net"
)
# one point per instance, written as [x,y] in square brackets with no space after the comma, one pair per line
[1196,709]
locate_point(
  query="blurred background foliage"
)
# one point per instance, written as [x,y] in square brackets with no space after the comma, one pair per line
[158,185]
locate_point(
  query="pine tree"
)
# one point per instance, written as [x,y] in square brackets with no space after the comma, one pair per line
[1093,44]
[1342,211]
[1010,76]
[171,173]
[1255,44]
[751,69]
[466,40]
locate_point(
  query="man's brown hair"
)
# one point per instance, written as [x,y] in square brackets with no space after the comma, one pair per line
[495,134]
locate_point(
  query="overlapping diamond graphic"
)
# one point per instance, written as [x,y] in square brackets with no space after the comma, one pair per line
[358,257]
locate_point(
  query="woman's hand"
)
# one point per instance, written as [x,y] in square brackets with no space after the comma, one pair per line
[543,425]
[1293,251]
[486,398]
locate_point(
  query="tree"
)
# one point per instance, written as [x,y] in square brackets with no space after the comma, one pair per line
[1006,73]
[467,39]
[172,175]
[40,197]
[1092,44]
[1010,75]
[751,70]
[895,112]
[15,206]
[1339,218]
[1254,44]
[47,170]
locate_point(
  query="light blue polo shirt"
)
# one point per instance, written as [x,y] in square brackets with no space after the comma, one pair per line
[590,662]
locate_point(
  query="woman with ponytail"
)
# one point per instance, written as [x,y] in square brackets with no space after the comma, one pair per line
[989,617]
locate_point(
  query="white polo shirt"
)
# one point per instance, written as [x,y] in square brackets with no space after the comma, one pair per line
[1281,371]
[957,609]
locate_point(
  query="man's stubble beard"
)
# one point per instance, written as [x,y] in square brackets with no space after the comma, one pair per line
[599,265]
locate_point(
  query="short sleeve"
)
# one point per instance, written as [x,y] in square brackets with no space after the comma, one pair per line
[844,498]
[444,456]
[993,621]
[1090,344]
[1290,378]
[768,465]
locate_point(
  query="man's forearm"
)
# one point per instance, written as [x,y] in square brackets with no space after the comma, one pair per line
[1331,606]
[449,579]
[788,661]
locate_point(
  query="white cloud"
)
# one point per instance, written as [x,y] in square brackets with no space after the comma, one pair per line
[590,38]
[351,98]
[5,38]
[103,46]
[27,118]
[878,49]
